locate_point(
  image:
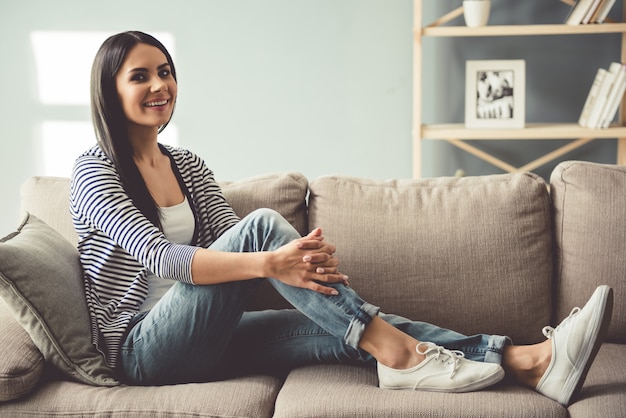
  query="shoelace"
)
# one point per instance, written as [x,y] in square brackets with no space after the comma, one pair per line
[453,357]
[548,331]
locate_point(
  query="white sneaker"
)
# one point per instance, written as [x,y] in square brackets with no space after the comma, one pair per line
[442,371]
[575,343]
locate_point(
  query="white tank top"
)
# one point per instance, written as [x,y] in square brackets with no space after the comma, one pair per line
[178,225]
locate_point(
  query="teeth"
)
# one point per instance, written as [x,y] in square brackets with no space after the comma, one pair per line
[161,103]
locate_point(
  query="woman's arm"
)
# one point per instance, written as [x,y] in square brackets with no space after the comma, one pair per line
[98,202]
[306,262]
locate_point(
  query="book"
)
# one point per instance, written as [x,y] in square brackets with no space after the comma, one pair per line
[616,70]
[615,98]
[578,12]
[590,11]
[591,97]
[601,98]
[602,11]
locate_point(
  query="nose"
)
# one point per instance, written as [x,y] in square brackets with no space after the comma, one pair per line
[159,85]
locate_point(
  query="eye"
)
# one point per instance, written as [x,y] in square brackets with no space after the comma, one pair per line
[165,73]
[138,77]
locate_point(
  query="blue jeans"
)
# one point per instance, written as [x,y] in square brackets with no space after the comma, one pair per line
[203,333]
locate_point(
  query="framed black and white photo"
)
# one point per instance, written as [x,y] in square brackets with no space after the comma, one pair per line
[495,93]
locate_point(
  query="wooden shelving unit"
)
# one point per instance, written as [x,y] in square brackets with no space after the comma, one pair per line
[457,134]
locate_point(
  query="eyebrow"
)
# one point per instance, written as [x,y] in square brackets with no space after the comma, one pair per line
[145,70]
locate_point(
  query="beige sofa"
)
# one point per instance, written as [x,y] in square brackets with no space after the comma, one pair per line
[502,254]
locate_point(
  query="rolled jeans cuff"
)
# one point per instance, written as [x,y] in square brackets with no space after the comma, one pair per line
[495,348]
[358,323]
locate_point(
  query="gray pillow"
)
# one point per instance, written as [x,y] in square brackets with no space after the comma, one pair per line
[41,281]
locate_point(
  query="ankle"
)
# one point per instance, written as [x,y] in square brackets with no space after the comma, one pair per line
[527,364]
[390,346]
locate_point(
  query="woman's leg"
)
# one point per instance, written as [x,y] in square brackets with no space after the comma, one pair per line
[357,324]
[184,337]
[271,340]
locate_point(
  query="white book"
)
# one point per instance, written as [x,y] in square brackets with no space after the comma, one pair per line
[601,97]
[591,96]
[616,70]
[615,98]
[603,11]
[578,12]
[591,11]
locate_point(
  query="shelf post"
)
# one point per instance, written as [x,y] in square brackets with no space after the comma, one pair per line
[417,89]
[621,142]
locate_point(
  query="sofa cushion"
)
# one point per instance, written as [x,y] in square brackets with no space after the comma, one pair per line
[590,237]
[283,192]
[21,364]
[470,254]
[604,391]
[352,391]
[249,396]
[48,199]
[42,283]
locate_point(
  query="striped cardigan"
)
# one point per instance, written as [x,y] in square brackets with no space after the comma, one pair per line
[118,245]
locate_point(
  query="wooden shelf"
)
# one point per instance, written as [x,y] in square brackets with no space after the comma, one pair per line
[531,131]
[458,135]
[522,30]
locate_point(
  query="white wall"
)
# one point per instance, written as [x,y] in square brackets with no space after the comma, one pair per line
[317,86]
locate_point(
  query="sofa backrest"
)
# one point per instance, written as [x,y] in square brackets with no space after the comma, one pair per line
[590,237]
[48,199]
[470,254]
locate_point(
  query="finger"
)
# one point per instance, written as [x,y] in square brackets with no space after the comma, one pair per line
[325,290]
[315,234]
[310,244]
[321,258]
[333,271]
[330,278]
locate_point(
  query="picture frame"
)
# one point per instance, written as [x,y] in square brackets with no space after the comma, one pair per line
[495,93]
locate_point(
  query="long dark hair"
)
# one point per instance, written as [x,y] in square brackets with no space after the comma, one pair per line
[109,120]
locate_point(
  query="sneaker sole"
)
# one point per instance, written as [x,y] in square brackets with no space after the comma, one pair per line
[472,387]
[599,338]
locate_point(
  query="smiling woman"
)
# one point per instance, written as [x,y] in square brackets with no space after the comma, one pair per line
[146,85]
[146,213]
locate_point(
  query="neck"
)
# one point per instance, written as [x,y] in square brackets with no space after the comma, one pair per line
[145,146]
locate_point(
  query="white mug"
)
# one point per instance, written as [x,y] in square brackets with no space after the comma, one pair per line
[476,12]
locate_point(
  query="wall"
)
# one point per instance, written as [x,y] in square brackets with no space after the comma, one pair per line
[275,85]
[318,86]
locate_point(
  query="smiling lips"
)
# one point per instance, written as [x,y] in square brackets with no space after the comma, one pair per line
[157,103]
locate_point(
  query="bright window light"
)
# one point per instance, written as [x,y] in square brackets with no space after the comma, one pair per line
[63,142]
[63,60]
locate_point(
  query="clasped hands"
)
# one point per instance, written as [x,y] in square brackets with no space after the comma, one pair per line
[308,262]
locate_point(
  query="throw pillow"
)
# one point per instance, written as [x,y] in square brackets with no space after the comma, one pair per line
[42,283]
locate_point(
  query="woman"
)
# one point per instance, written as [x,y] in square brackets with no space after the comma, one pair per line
[169,269]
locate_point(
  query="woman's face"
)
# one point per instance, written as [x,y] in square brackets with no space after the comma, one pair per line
[146,88]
